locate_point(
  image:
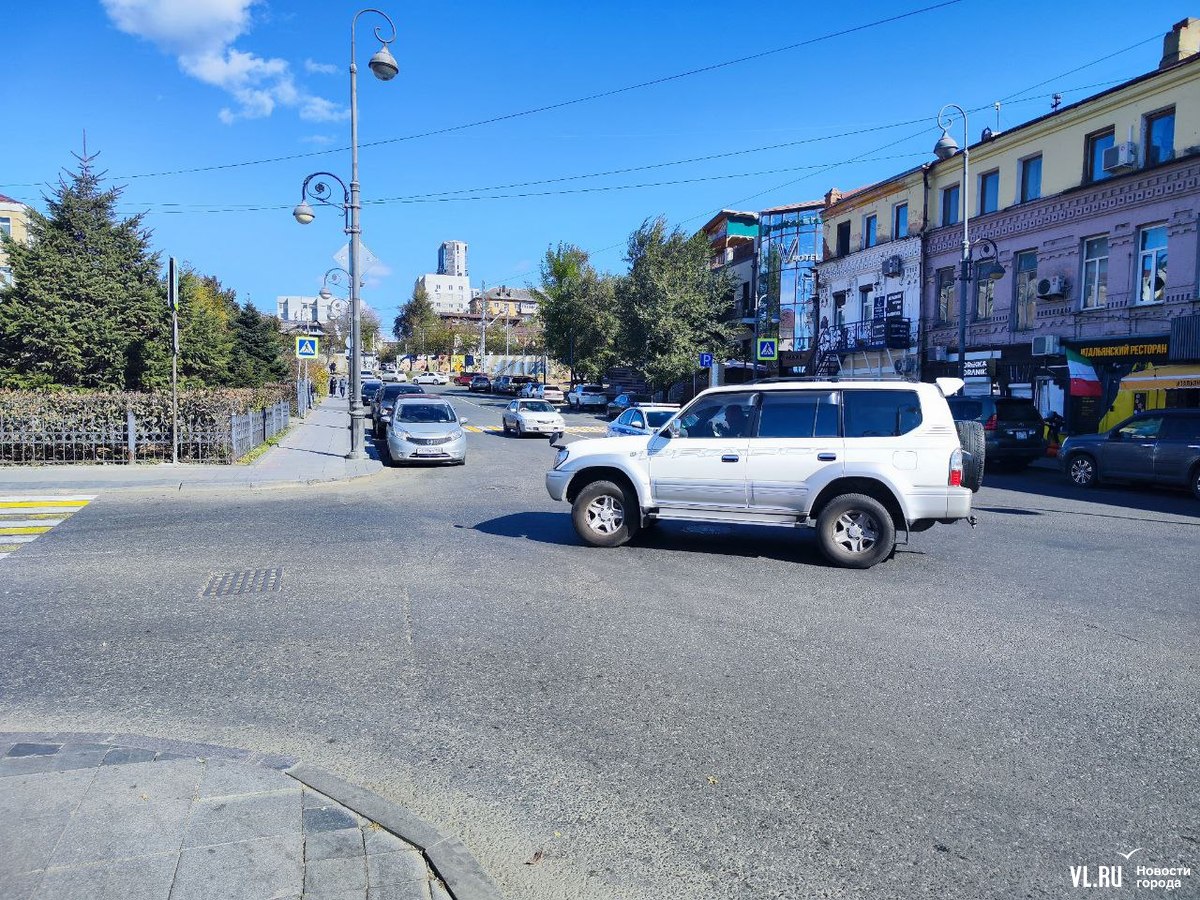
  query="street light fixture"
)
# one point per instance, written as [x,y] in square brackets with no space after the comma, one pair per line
[385,68]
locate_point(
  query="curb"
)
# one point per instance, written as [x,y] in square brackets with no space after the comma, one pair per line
[447,856]
[179,487]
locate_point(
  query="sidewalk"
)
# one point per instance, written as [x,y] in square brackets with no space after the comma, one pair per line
[313,450]
[118,816]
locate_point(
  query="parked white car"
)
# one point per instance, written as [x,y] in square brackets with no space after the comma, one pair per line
[587,396]
[431,378]
[859,461]
[522,417]
[644,418]
[551,393]
[425,428]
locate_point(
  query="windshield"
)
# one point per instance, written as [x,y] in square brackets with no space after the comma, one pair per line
[660,418]
[392,391]
[537,406]
[425,412]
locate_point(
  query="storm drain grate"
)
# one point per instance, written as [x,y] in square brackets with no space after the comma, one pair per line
[255,581]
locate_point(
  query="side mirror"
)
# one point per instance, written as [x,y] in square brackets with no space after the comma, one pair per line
[555,437]
[463,421]
[672,429]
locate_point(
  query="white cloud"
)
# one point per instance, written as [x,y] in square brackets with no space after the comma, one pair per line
[200,33]
[321,140]
[316,68]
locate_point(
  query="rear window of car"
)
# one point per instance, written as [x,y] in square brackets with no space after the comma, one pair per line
[1021,411]
[880,413]
[591,389]
[964,410]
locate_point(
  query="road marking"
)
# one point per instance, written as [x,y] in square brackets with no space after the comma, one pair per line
[25,518]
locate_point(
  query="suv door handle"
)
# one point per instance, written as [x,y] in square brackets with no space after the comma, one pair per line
[730,457]
[826,457]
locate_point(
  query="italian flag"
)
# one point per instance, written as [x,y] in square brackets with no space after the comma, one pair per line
[1084,382]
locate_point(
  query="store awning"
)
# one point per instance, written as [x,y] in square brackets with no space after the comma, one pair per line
[1162,378]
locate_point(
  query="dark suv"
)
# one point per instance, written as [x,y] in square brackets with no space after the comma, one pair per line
[385,400]
[1013,431]
[1159,446]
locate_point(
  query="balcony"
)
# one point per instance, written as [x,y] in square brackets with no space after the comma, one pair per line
[878,334]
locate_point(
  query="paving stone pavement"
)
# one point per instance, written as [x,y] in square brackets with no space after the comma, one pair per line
[114,816]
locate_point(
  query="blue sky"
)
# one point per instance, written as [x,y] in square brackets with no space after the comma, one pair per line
[168,85]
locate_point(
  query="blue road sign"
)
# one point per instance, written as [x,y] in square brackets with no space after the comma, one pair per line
[768,348]
[306,348]
[706,360]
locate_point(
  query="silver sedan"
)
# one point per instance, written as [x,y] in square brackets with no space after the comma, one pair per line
[522,417]
[426,429]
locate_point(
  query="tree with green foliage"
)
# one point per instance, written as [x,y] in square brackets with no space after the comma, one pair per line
[86,307]
[207,310]
[258,351]
[576,313]
[672,304]
[416,314]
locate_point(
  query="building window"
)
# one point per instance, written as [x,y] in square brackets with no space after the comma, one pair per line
[945,293]
[899,221]
[985,295]
[6,276]
[989,192]
[1093,160]
[843,239]
[1094,292]
[1159,138]
[950,197]
[1152,265]
[1025,299]
[870,231]
[6,225]
[866,306]
[1031,178]
[839,309]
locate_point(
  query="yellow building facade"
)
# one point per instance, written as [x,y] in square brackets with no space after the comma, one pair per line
[14,221]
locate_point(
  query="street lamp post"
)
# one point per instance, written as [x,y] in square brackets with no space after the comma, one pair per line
[384,67]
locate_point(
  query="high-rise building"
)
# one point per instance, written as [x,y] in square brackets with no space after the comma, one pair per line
[452,259]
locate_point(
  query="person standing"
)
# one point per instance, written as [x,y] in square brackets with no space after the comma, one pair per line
[342,388]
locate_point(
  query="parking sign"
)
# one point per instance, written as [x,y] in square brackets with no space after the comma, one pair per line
[706,360]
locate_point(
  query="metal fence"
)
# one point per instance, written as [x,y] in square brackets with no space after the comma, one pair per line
[202,438]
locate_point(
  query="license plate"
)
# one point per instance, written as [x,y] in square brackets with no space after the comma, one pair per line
[427,453]
[1021,435]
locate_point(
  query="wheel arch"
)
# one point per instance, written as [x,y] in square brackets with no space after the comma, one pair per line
[584,477]
[872,487]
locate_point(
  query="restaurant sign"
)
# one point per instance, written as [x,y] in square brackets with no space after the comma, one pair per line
[1142,349]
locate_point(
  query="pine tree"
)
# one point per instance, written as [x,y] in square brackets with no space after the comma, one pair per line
[87,308]
[206,333]
[258,349]
[575,309]
[417,314]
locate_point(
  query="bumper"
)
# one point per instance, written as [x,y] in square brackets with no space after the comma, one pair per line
[939,503]
[557,482]
[450,452]
[545,429]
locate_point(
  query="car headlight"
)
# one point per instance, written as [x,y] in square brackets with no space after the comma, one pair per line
[456,434]
[561,457]
[400,433]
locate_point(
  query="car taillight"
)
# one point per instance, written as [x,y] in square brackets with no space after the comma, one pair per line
[990,424]
[956,468]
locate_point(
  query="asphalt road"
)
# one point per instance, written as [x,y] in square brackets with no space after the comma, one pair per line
[710,712]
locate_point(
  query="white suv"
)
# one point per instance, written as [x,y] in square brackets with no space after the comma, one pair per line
[858,460]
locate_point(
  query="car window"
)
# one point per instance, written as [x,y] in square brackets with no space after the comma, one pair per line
[537,406]
[394,390]
[424,412]
[592,389]
[637,421]
[623,418]
[880,413]
[1020,411]
[717,416]
[512,407]
[1139,429]
[965,410]
[798,414]
[659,418]
[1182,428]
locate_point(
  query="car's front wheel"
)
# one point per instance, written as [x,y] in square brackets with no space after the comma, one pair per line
[1196,482]
[603,515]
[1081,469]
[855,531]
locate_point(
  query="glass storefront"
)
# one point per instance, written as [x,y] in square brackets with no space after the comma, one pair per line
[789,250]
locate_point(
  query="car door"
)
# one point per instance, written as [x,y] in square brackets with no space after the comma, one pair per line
[1178,449]
[618,427]
[1129,451]
[510,413]
[797,444]
[703,466]
[636,423]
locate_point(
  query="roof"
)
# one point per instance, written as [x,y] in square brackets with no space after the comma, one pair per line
[790,207]
[4,198]
[726,214]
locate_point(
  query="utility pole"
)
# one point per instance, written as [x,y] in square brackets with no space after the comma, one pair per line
[173,302]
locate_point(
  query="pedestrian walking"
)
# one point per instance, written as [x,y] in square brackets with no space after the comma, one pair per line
[312,393]
[332,385]
[342,388]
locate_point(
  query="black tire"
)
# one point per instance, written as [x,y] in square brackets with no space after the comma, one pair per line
[855,531]
[970,436]
[520,429]
[504,422]
[1082,470]
[1195,482]
[604,515]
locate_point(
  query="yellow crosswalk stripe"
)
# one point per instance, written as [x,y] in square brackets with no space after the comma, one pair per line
[29,504]
[26,530]
[26,517]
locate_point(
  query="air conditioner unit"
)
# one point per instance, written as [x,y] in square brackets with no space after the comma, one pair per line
[937,354]
[1052,287]
[1046,345]
[893,267]
[1120,158]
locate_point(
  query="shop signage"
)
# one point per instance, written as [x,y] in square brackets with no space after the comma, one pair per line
[895,305]
[1129,350]
[978,368]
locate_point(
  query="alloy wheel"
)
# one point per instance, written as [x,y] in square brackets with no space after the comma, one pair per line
[605,515]
[855,530]
[1083,471]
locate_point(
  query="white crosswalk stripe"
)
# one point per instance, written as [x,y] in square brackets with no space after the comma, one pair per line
[26,517]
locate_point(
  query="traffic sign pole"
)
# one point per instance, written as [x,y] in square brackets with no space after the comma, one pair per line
[173,302]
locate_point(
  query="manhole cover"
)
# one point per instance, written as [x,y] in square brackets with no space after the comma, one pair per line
[255,581]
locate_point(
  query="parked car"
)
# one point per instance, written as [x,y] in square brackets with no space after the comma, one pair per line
[622,402]
[385,401]
[368,387]
[464,379]
[1013,430]
[642,419]
[824,454]
[512,384]
[522,417]
[534,390]
[432,378]
[425,429]
[1159,446]
[480,384]
[501,385]
[587,396]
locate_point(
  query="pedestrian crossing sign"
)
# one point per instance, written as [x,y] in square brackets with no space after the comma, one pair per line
[768,348]
[306,347]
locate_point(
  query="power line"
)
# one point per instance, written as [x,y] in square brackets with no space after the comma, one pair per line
[562,104]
